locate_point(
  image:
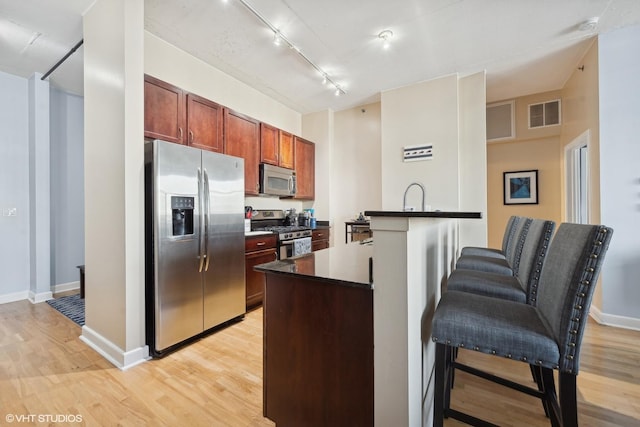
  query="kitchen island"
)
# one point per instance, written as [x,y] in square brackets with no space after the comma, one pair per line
[318,338]
[323,313]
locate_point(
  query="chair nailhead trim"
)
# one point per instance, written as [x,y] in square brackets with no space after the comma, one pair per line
[493,352]
[508,356]
[462,345]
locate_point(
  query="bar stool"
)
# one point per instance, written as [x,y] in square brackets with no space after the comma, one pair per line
[495,263]
[547,336]
[522,286]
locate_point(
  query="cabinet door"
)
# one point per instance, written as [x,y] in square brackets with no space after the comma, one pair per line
[286,150]
[204,121]
[268,144]
[305,152]
[164,112]
[255,279]
[242,139]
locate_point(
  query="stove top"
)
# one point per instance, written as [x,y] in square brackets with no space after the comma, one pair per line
[283,228]
[287,231]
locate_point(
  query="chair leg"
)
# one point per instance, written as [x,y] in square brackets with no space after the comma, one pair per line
[440,384]
[537,377]
[550,396]
[568,399]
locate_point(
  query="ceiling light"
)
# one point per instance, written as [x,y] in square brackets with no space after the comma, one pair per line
[279,38]
[589,25]
[385,36]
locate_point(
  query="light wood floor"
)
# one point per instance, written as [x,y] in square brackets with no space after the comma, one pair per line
[46,370]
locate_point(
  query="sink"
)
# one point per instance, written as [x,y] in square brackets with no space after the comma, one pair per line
[257,233]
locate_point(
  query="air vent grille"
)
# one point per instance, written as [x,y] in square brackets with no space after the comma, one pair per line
[501,121]
[544,114]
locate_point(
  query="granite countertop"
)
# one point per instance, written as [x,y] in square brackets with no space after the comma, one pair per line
[424,214]
[344,265]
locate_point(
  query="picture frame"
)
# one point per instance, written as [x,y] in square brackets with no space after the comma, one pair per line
[521,187]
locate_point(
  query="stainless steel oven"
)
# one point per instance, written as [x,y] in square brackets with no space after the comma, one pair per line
[294,246]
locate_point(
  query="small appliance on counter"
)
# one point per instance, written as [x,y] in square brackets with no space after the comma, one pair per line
[293,238]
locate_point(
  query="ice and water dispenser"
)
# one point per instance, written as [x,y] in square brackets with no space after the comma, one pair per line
[182,215]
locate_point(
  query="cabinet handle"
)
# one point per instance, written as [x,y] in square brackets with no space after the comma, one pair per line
[191,135]
[261,243]
[180,132]
[257,186]
[319,235]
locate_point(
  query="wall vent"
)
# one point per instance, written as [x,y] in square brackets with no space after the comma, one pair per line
[501,121]
[544,114]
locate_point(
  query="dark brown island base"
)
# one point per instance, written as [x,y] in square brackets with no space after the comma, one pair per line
[318,338]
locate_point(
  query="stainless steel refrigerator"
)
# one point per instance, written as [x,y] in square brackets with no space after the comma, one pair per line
[195,273]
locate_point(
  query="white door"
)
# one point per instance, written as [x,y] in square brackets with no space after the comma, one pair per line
[577,179]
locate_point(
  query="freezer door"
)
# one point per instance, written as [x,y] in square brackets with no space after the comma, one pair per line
[224,284]
[177,227]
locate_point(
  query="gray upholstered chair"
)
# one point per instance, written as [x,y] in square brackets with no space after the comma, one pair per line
[508,237]
[495,264]
[547,336]
[522,286]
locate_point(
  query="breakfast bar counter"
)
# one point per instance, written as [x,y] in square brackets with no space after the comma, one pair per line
[324,311]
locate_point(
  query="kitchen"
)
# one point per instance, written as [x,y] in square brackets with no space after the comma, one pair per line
[116,278]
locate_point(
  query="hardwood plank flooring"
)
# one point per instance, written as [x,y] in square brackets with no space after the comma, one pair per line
[46,370]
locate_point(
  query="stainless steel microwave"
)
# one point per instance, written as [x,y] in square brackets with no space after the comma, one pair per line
[277,181]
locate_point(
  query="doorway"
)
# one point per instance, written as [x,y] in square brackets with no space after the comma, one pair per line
[577,179]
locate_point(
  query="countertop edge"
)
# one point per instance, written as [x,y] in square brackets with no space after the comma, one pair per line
[276,267]
[421,214]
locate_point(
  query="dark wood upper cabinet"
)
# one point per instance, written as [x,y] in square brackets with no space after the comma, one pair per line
[286,146]
[204,124]
[305,153]
[276,146]
[164,111]
[242,139]
[269,144]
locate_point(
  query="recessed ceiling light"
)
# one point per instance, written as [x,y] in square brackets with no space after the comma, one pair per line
[385,36]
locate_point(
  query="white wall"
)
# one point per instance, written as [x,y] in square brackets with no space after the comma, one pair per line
[67,186]
[355,165]
[424,113]
[472,147]
[39,190]
[619,172]
[14,188]
[114,180]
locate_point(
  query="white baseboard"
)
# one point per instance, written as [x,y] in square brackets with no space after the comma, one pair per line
[36,298]
[111,352]
[614,320]
[13,297]
[64,287]
[40,297]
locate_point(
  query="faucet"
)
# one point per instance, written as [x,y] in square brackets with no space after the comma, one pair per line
[404,200]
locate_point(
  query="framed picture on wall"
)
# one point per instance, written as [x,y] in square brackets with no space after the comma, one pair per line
[521,187]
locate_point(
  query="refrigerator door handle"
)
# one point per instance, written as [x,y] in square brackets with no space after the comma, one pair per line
[201,223]
[207,214]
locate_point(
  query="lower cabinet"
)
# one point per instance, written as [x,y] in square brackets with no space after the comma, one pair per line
[320,239]
[258,250]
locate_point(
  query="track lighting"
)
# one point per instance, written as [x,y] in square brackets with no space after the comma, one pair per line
[280,39]
[277,38]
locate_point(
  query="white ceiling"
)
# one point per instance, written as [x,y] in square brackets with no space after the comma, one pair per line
[526,46]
